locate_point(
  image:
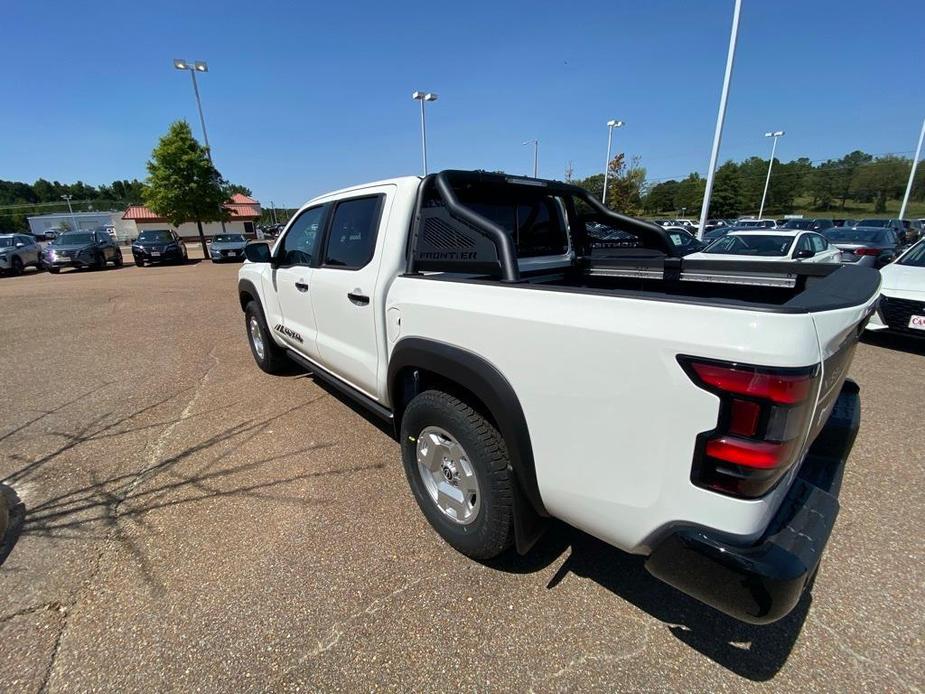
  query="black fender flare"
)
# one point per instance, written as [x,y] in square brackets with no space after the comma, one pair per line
[245,286]
[488,384]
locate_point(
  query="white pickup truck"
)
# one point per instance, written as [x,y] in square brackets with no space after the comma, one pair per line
[695,412]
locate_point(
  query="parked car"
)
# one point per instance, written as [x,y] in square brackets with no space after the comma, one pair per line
[844,222]
[17,252]
[227,247]
[756,224]
[902,295]
[82,249]
[808,224]
[526,378]
[897,225]
[718,232]
[869,246]
[780,245]
[684,241]
[158,246]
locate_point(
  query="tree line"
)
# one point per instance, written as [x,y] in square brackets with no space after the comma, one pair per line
[20,200]
[828,186]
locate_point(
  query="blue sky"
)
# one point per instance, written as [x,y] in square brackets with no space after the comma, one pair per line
[304,97]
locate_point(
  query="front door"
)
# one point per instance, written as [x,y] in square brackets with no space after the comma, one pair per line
[343,289]
[293,280]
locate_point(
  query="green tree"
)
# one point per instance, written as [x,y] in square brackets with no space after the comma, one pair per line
[726,200]
[661,197]
[182,184]
[624,184]
[690,193]
[845,172]
[882,179]
[233,188]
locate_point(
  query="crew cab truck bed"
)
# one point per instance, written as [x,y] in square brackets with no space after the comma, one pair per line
[533,370]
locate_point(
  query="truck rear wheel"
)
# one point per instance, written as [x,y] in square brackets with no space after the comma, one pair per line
[269,356]
[458,469]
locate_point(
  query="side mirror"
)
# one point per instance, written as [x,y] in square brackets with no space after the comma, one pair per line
[19,244]
[257,252]
[806,253]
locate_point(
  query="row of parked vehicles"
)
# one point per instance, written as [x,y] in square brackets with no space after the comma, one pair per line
[98,249]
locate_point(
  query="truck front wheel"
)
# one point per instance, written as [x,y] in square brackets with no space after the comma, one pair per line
[269,356]
[458,469]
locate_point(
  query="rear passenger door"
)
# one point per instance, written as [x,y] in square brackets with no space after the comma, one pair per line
[344,288]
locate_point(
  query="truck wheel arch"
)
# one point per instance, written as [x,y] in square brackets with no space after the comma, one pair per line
[247,292]
[477,376]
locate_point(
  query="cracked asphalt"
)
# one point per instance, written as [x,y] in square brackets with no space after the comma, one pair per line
[194,524]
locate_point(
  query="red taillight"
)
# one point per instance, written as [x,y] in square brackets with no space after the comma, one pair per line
[782,388]
[764,414]
[757,454]
[867,251]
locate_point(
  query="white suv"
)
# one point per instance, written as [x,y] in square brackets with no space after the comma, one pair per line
[17,252]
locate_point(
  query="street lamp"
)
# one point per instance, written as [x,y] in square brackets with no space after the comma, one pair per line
[775,134]
[915,163]
[611,124]
[536,147]
[720,117]
[422,97]
[71,211]
[198,66]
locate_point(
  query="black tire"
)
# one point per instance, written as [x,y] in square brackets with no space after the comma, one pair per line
[492,530]
[54,270]
[16,266]
[274,360]
[118,261]
[100,262]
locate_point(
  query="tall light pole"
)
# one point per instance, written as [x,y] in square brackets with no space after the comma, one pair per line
[198,66]
[915,163]
[611,124]
[777,134]
[536,147]
[422,97]
[720,118]
[71,211]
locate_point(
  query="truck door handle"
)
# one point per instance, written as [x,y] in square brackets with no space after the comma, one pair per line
[301,286]
[357,297]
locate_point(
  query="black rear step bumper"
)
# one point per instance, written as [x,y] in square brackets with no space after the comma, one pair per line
[763,582]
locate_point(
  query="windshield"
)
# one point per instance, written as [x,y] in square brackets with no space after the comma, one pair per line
[873,223]
[752,245]
[74,239]
[857,236]
[155,237]
[915,257]
[6,241]
[799,224]
[229,238]
[755,224]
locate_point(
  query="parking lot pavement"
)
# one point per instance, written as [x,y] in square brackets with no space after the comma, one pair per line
[194,524]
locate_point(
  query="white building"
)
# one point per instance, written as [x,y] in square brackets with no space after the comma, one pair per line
[39,224]
[244,213]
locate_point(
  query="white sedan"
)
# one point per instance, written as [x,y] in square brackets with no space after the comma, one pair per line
[776,245]
[902,294]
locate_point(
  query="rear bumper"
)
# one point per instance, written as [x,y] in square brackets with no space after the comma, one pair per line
[763,582]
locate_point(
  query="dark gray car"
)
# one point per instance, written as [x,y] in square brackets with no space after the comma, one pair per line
[867,246]
[81,249]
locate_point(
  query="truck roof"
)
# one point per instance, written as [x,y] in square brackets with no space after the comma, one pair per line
[399,181]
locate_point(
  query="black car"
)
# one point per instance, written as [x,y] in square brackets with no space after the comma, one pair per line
[808,224]
[82,249]
[158,246]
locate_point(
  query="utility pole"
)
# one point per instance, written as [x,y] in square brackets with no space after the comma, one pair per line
[536,147]
[71,211]
[720,118]
[776,135]
[915,163]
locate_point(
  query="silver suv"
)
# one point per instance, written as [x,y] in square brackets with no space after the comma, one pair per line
[19,251]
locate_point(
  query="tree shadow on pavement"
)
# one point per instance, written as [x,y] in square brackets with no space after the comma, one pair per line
[111,507]
[754,652]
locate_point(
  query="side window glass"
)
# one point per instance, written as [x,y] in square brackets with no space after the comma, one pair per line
[352,239]
[301,242]
[819,243]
